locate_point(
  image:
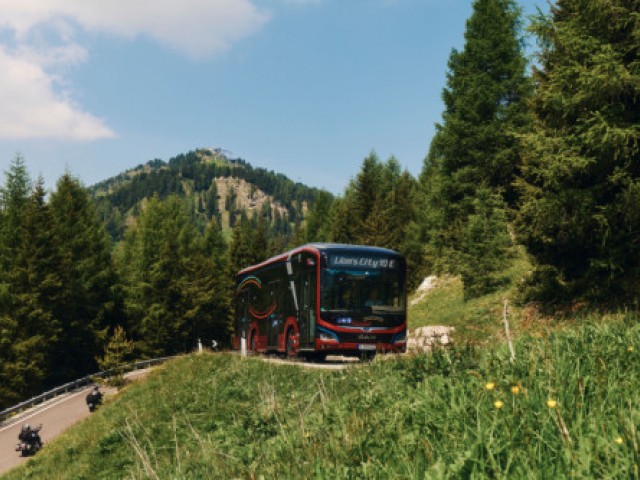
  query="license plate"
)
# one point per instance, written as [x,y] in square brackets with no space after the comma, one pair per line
[366,346]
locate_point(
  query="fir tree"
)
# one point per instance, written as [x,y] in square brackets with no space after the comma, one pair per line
[318,224]
[476,145]
[485,246]
[116,352]
[581,174]
[86,304]
[28,325]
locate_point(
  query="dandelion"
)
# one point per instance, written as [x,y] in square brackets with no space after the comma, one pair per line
[618,440]
[489,386]
[630,349]
[552,403]
[498,404]
[515,389]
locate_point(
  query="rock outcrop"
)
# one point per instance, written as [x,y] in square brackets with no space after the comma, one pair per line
[425,339]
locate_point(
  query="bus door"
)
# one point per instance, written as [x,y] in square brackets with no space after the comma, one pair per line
[306,314]
[275,320]
[242,319]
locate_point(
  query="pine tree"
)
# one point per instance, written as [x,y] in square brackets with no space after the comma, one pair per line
[476,144]
[318,224]
[239,253]
[343,226]
[29,326]
[177,288]
[259,242]
[116,352]
[581,174]
[486,246]
[86,305]
[18,374]
[367,189]
[13,198]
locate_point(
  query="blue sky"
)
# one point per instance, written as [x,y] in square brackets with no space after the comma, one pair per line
[307,88]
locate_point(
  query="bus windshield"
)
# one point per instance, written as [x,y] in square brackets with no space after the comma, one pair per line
[362,291]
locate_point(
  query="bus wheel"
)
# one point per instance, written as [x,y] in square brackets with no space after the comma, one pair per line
[290,351]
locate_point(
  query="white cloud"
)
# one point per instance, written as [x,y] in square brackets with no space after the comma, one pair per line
[43,38]
[30,109]
[198,28]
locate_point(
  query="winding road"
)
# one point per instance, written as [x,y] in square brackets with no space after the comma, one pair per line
[56,415]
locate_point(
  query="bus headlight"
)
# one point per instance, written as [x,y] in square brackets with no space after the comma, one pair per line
[326,335]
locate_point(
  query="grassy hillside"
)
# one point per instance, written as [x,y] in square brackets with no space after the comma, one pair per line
[479,320]
[569,406]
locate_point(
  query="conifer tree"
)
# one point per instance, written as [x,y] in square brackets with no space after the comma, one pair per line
[581,175]
[15,378]
[116,352]
[343,226]
[486,246]
[29,328]
[239,253]
[86,304]
[13,198]
[318,224]
[177,285]
[475,146]
[259,241]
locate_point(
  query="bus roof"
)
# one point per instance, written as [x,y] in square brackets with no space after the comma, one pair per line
[320,247]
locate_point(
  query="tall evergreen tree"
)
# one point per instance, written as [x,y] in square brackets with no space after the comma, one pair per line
[13,198]
[177,288]
[29,328]
[318,224]
[343,227]
[476,145]
[581,175]
[86,305]
[15,378]
[154,252]
[486,246]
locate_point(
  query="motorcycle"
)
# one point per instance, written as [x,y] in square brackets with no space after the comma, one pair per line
[93,405]
[30,442]
[94,399]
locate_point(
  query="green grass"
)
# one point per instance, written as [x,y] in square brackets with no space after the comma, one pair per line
[223,416]
[477,320]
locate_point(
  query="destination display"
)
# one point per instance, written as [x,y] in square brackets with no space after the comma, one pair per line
[362,262]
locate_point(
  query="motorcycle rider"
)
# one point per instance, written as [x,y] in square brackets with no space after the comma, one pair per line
[94,398]
[30,435]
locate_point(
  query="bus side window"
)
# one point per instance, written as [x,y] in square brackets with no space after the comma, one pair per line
[274,295]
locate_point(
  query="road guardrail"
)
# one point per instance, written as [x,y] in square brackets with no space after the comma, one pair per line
[76,384]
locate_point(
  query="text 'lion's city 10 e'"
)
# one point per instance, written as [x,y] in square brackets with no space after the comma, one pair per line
[321,299]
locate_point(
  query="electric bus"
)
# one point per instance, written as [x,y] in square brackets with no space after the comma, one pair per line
[323,299]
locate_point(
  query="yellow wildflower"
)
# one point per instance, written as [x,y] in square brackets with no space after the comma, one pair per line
[515,389]
[498,404]
[552,403]
[619,440]
[489,385]
[630,349]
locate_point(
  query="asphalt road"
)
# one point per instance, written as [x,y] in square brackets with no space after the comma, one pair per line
[56,416]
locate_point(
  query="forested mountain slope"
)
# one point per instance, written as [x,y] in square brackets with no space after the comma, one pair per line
[217,187]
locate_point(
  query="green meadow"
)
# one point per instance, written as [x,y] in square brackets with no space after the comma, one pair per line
[567,406]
